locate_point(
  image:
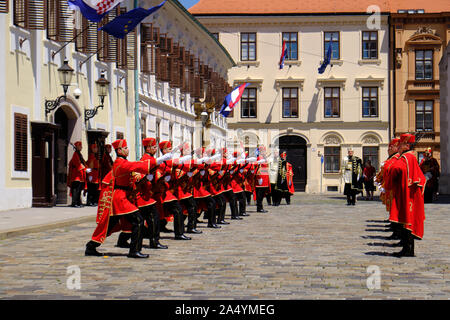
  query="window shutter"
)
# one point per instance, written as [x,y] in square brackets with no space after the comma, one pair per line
[30,14]
[4,6]
[132,50]
[107,42]
[20,142]
[59,21]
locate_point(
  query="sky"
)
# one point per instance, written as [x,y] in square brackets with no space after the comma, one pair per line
[188,3]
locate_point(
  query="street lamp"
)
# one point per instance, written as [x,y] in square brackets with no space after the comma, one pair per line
[102,86]
[65,73]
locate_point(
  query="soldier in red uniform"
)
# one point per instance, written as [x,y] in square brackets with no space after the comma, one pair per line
[225,178]
[407,182]
[120,205]
[202,197]
[76,178]
[93,178]
[262,179]
[146,202]
[237,183]
[167,199]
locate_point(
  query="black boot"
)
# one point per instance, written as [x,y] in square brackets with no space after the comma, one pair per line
[408,245]
[122,242]
[154,244]
[91,249]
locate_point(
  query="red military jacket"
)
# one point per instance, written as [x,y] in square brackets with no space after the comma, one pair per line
[77,170]
[249,182]
[94,164]
[262,175]
[123,183]
[199,182]
[406,181]
[237,182]
[145,196]
[183,189]
[105,165]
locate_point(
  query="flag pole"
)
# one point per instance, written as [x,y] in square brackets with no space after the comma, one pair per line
[136,97]
[70,41]
[83,62]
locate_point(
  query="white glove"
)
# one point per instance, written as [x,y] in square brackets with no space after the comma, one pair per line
[260,181]
[163,158]
[202,172]
[252,171]
[249,160]
[232,171]
[167,178]
[190,174]
[231,160]
[201,160]
[240,161]
[215,157]
[149,177]
[185,159]
[382,190]
[261,161]
[243,155]
[88,170]
[241,170]
[221,172]
[90,178]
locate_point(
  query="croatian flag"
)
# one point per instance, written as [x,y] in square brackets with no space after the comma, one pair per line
[284,53]
[93,10]
[232,99]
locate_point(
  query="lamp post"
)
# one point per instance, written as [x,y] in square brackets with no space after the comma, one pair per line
[65,73]
[102,86]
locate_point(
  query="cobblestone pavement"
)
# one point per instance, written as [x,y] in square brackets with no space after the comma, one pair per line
[316,248]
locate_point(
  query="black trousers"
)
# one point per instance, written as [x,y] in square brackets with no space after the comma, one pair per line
[270,196]
[276,196]
[211,208]
[151,216]
[260,192]
[232,201]
[240,197]
[178,218]
[221,204]
[76,187]
[137,223]
[191,207]
[248,195]
[92,194]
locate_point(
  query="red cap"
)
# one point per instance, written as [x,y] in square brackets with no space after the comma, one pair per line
[165,144]
[92,146]
[262,148]
[428,150]
[394,142]
[78,143]
[121,143]
[235,154]
[407,138]
[149,142]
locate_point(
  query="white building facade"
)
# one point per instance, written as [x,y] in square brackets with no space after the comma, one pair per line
[315,117]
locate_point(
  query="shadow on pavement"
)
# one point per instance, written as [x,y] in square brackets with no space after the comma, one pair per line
[379,230]
[377,253]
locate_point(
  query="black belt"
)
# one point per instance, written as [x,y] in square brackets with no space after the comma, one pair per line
[123,188]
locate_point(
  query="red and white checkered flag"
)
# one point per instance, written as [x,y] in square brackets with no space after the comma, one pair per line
[102,6]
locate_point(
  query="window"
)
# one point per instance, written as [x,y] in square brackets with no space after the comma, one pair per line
[332,38]
[424,64]
[291,45]
[332,102]
[424,115]
[332,156]
[370,153]
[59,21]
[119,135]
[248,103]
[290,102]
[30,14]
[370,102]
[248,46]
[370,45]
[143,128]
[20,142]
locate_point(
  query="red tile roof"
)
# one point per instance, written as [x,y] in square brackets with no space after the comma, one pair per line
[313,6]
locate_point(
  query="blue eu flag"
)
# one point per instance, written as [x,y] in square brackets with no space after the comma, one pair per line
[120,26]
[326,61]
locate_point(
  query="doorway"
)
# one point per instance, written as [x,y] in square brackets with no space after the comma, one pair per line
[295,148]
[61,145]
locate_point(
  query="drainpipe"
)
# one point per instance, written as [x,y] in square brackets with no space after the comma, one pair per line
[136,98]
